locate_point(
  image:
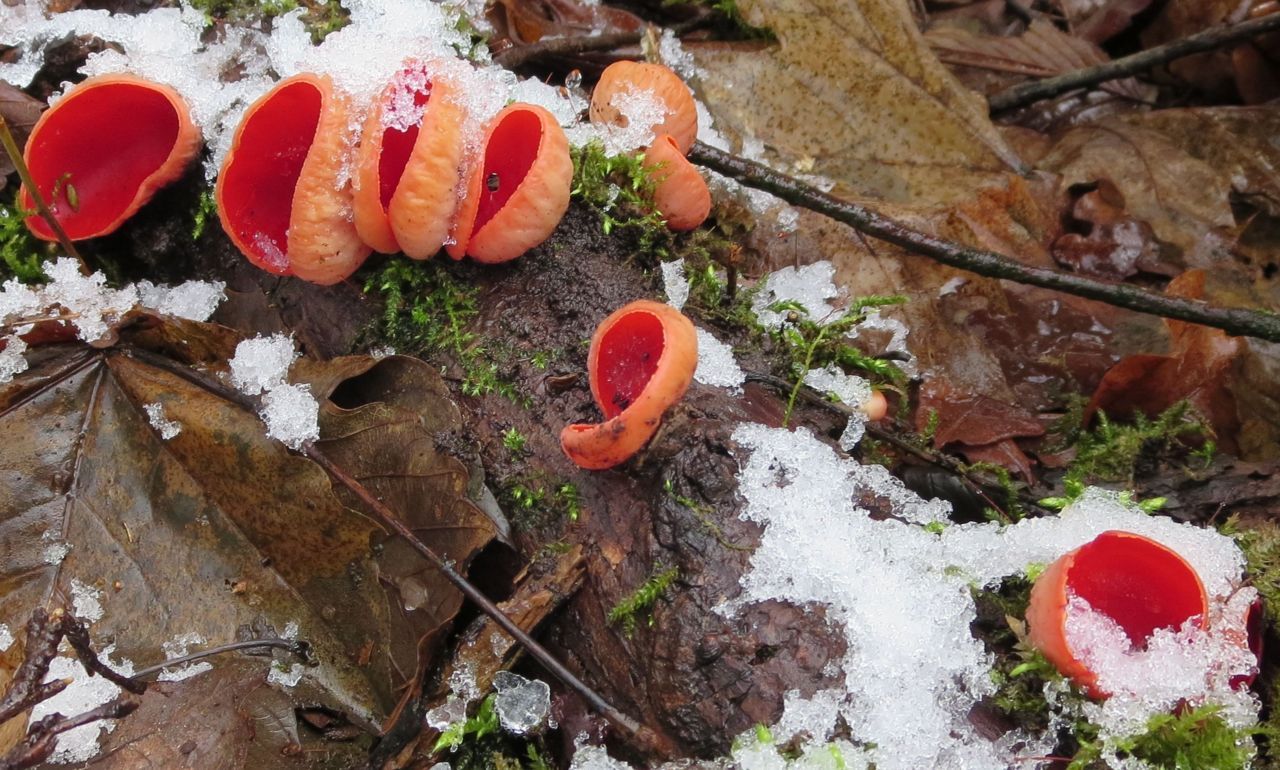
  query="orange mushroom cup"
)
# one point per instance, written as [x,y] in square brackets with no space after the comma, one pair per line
[408,165]
[641,361]
[278,196]
[518,191]
[625,77]
[1139,583]
[680,193]
[103,150]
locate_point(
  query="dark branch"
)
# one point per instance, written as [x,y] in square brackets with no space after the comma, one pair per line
[520,55]
[41,737]
[1237,321]
[44,634]
[1142,61]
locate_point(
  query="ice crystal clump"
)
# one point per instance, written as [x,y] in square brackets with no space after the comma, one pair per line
[12,358]
[292,414]
[640,111]
[164,426]
[913,670]
[86,601]
[289,677]
[463,689]
[261,363]
[6,638]
[811,286]
[675,283]
[716,364]
[94,306]
[851,390]
[176,648]
[193,300]
[85,692]
[521,704]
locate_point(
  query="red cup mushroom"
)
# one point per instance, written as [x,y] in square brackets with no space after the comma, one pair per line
[103,150]
[628,77]
[1138,583]
[680,193]
[278,194]
[518,190]
[411,150]
[641,361]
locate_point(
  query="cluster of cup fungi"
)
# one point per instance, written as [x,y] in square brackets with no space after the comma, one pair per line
[121,138]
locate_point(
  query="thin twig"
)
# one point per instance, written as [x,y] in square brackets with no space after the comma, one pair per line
[44,634]
[518,56]
[40,741]
[1125,66]
[297,647]
[1236,321]
[640,734]
[24,173]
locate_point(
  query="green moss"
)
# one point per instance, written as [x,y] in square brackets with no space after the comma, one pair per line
[1194,739]
[807,343]
[1113,451]
[319,17]
[428,312]
[620,189]
[20,252]
[514,441]
[1013,509]
[534,500]
[206,211]
[1020,671]
[478,744]
[627,611]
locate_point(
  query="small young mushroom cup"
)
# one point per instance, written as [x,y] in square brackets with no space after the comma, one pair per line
[680,193]
[626,79]
[641,361]
[103,150]
[278,194]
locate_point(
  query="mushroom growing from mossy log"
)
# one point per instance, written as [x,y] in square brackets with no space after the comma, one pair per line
[103,150]
[407,167]
[278,194]
[1141,585]
[641,361]
[518,189]
[680,193]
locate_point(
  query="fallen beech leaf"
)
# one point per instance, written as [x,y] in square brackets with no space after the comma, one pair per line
[1199,369]
[1099,23]
[972,419]
[522,23]
[1113,244]
[181,522]
[1041,51]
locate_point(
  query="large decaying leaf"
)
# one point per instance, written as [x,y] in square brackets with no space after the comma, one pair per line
[852,89]
[220,529]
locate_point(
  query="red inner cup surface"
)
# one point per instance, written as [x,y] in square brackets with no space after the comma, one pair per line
[109,138]
[510,153]
[258,191]
[1141,585]
[628,357]
[397,144]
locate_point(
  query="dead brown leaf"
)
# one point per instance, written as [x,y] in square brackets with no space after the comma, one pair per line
[219,529]
[20,112]
[1199,370]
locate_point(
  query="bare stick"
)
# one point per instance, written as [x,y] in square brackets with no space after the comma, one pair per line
[1238,321]
[1125,66]
[299,648]
[641,735]
[44,633]
[40,740]
[518,56]
[24,173]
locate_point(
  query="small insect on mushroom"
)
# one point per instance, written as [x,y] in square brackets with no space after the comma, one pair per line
[278,194]
[103,150]
[518,191]
[641,361]
[1138,583]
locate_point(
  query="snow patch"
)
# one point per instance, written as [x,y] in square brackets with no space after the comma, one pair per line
[279,675]
[85,692]
[6,638]
[193,300]
[810,286]
[292,415]
[86,601]
[165,427]
[675,283]
[176,648]
[716,364]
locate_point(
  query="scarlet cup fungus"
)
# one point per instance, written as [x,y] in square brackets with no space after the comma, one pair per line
[680,193]
[624,78]
[103,150]
[1139,583]
[411,150]
[518,190]
[641,361]
[278,197]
